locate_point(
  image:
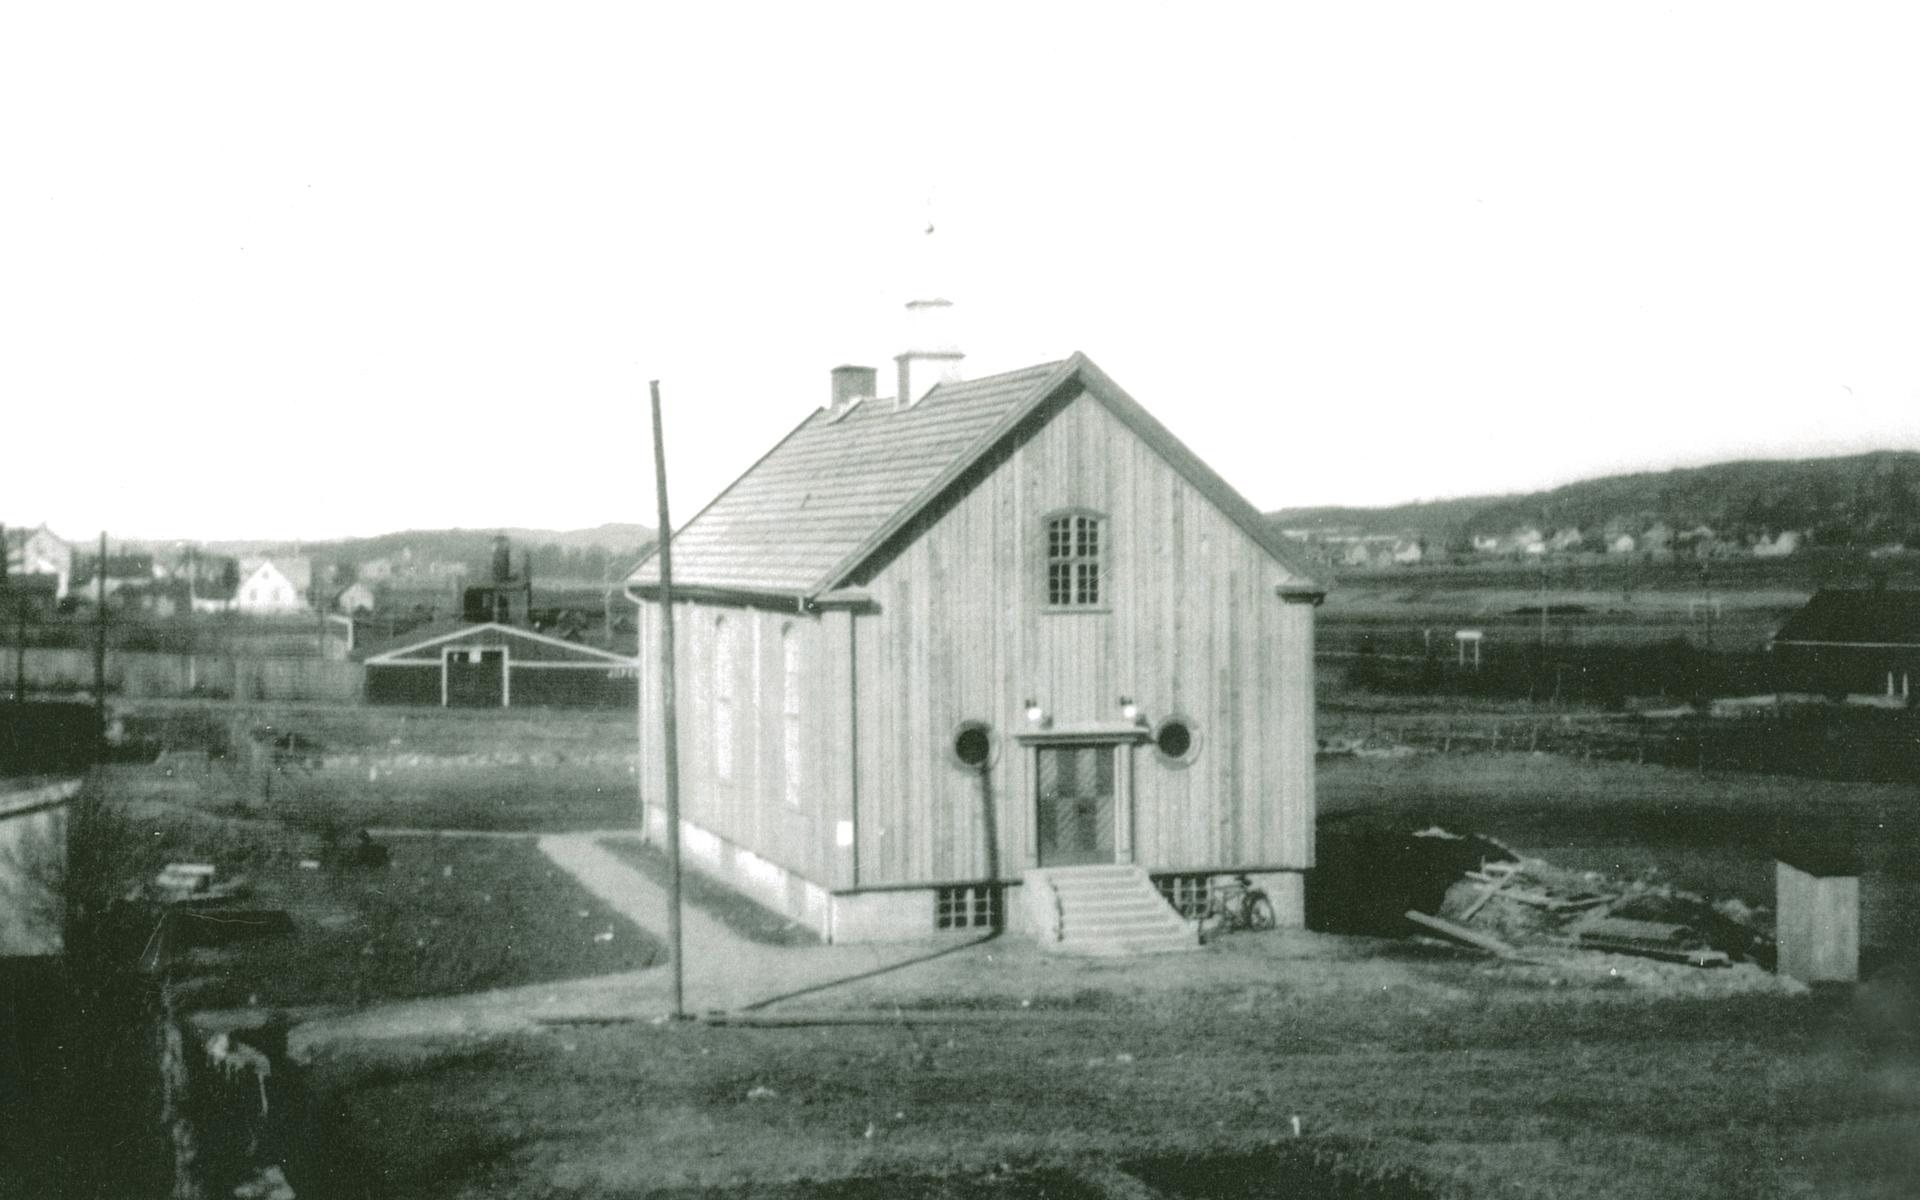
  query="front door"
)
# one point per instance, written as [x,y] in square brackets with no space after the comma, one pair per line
[476,678]
[1075,811]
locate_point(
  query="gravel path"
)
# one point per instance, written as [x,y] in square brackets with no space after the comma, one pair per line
[638,898]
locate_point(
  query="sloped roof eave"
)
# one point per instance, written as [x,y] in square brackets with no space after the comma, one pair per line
[1190,466]
[391,655]
[1045,390]
[797,574]
[702,593]
[665,536]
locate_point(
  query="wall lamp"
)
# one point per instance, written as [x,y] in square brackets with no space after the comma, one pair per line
[1035,714]
[1129,711]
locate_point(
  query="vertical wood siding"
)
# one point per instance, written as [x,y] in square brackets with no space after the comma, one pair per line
[749,806]
[961,632]
[1193,626]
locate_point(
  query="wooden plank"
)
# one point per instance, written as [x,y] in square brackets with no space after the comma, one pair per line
[1460,933]
[1499,881]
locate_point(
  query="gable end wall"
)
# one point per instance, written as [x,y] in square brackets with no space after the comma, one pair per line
[1194,626]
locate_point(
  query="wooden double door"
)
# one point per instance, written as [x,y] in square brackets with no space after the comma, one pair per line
[475,678]
[1076,810]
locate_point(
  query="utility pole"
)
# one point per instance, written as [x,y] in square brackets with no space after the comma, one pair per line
[20,631]
[526,567]
[20,650]
[669,726]
[1706,589]
[1543,604]
[100,639]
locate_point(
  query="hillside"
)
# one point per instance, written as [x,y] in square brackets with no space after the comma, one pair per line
[1863,500]
[1435,520]
[580,554]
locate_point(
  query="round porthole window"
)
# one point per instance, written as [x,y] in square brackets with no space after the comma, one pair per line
[1177,741]
[974,746]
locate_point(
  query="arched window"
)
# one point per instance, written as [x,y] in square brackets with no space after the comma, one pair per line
[1076,558]
[790,713]
[722,699]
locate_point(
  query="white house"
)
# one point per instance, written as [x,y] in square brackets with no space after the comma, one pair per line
[273,585]
[1621,544]
[354,598]
[40,552]
[1777,546]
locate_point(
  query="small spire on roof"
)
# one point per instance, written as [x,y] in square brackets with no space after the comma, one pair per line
[932,356]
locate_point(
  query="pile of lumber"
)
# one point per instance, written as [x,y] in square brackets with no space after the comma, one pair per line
[1512,906]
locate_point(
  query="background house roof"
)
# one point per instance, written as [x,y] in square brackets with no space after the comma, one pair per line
[800,520]
[133,565]
[1856,615]
[297,570]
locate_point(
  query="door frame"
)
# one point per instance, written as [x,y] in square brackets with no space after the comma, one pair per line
[506,671]
[1121,739]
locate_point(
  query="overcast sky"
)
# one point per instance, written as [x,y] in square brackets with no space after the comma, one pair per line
[343,269]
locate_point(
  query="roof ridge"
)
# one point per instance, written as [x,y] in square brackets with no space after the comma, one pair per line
[829,495]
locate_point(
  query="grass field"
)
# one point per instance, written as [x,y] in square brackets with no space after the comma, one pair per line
[358,729]
[1414,1070]
[1429,1068]
[445,915]
[356,766]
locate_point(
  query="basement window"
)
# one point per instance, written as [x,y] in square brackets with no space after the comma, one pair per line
[969,906]
[1188,894]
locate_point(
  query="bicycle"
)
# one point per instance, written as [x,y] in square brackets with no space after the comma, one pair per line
[1236,905]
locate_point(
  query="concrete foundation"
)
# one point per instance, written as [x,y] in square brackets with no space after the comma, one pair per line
[887,915]
[1288,891]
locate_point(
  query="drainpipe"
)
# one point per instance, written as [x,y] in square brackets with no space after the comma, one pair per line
[853,737]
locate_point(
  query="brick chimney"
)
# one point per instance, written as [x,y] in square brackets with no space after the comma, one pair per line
[852,385]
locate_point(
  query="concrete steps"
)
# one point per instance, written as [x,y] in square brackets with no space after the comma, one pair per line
[1106,910]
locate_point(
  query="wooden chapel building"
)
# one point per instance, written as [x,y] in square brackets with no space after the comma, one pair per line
[949,660]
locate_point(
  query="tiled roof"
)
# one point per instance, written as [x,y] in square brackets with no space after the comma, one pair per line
[1856,616]
[823,499]
[819,494]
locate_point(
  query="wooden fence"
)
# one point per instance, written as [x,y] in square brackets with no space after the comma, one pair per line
[1812,742]
[220,676]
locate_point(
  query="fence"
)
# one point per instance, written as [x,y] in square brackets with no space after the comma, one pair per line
[1806,741]
[1601,674]
[142,674]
